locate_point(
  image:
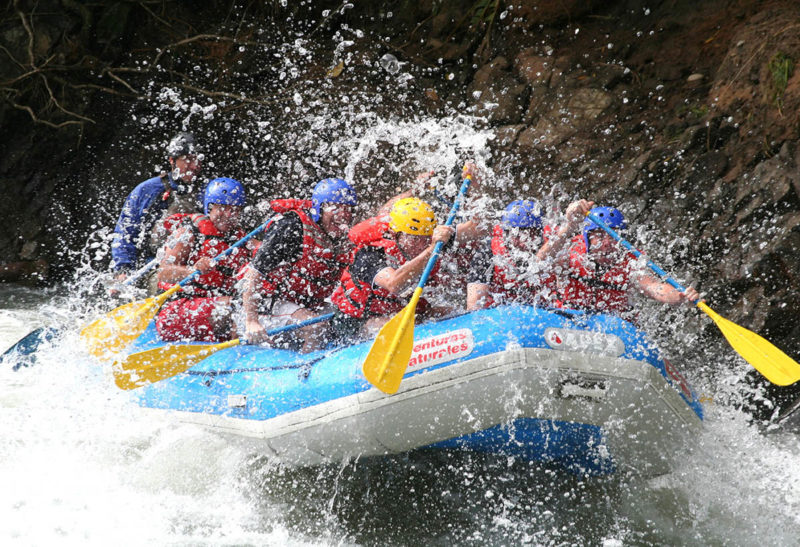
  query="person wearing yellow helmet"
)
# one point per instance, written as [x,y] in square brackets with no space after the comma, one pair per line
[391,253]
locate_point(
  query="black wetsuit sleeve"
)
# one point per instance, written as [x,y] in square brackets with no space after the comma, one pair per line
[367,263]
[282,244]
[481,266]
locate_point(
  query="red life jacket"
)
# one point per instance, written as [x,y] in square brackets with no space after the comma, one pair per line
[543,289]
[311,278]
[173,222]
[454,272]
[358,298]
[588,289]
[209,242]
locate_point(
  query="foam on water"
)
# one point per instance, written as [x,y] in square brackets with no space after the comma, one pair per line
[83,465]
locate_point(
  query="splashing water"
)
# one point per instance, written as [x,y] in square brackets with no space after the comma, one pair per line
[83,464]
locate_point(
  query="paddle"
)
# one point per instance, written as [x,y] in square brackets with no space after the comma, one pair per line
[772,363]
[154,365]
[119,327]
[388,357]
[138,274]
[22,352]
[28,345]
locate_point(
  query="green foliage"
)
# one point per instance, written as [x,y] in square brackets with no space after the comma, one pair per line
[781,67]
[483,12]
[698,110]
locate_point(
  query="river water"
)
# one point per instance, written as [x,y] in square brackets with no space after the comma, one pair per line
[81,464]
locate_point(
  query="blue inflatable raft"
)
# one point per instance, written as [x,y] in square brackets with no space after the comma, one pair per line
[588,392]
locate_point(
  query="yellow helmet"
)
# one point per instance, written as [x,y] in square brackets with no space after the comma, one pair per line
[412,216]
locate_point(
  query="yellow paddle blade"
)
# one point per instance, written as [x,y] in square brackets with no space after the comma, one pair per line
[154,365]
[119,327]
[388,357]
[776,366]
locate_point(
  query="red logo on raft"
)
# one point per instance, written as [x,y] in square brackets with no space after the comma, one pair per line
[584,341]
[442,348]
[554,338]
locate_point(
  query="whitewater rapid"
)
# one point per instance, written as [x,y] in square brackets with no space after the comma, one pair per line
[81,464]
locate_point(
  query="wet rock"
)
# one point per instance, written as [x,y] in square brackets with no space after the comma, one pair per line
[696,79]
[28,250]
[749,311]
[496,94]
[36,270]
[669,72]
[633,170]
[608,76]
[770,181]
[548,12]
[545,134]
[563,121]
[30,228]
[748,80]
[497,67]
[537,102]
[533,69]
[705,170]
[443,23]
[587,104]
[448,51]
[506,135]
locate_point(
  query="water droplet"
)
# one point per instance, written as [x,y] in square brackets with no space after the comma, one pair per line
[390,63]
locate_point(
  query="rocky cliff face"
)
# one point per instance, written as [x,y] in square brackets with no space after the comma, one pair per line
[684,113]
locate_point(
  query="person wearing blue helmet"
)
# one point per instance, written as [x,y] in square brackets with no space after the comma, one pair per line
[518,264]
[600,276]
[137,235]
[202,309]
[303,253]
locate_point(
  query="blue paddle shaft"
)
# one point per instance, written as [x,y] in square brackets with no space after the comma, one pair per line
[636,252]
[438,247]
[225,253]
[294,326]
[135,276]
[301,324]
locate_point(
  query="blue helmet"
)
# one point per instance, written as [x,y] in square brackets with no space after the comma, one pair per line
[522,213]
[611,216]
[225,191]
[331,191]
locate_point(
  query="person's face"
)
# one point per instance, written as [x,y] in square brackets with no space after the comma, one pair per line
[602,246]
[335,219]
[412,245]
[523,239]
[187,167]
[225,217]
